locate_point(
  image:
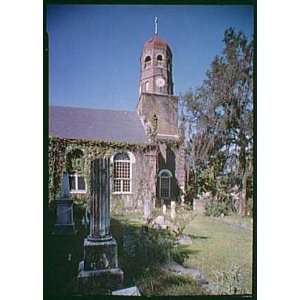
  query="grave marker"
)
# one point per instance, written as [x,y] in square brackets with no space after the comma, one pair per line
[64,210]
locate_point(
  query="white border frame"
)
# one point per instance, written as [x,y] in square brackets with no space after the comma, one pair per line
[131,162]
[77,191]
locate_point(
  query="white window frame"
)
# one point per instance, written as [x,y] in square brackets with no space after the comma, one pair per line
[169,177]
[130,175]
[77,191]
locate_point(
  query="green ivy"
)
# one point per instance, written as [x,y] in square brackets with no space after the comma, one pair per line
[59,147]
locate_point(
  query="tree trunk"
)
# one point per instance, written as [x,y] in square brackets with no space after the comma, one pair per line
[243,198]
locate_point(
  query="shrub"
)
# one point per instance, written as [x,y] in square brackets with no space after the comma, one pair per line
[230,282]
[157,283]
[216,209]
[184,215]
[143,248]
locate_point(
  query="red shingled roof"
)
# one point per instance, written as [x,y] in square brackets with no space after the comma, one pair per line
[156,42]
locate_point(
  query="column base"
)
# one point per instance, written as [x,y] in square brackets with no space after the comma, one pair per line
[99,272]
[99,255]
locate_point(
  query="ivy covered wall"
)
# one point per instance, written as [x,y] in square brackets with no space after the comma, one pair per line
[63,153]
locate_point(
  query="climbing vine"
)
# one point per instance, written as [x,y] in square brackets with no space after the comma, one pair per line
[59,149]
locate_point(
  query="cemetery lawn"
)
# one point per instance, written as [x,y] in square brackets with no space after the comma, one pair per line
[221,249]
[218,245]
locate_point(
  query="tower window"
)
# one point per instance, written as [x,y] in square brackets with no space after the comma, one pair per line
[147,61]
[159,60]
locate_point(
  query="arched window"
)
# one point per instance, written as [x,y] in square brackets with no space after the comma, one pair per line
[147,61]
[165,177]
[75,168]
[122,173]
[159,57]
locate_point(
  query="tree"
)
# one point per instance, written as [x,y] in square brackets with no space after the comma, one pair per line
[219,117]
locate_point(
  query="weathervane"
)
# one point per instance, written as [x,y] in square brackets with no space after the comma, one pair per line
[156,24]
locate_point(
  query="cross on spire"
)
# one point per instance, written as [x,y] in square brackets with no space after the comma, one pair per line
[155,25]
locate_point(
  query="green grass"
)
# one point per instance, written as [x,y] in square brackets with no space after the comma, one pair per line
[157,283]
[217,246]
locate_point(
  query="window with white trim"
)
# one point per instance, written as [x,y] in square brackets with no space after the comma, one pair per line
[75,168]
[122,173]
[165,183]
[77,183]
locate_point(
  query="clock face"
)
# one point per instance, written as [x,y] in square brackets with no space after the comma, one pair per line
[160,82]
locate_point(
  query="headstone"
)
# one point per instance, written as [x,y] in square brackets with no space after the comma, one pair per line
[184,240]
[164,208]
[182,195]
[174,267]
[64,210]
[200,202]
[147,209]
[173,210]
[132,291]
[160,220]
[99,271]
[182,199]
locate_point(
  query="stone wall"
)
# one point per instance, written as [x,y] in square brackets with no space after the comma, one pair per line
[145,167]
[143,183]
[164,107]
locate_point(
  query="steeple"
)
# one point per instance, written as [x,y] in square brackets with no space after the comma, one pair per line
[157,107]
[156,66]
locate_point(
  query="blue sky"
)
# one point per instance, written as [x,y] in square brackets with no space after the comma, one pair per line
[95,49]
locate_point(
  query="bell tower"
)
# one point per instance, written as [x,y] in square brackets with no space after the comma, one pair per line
[156,67]
[156,100]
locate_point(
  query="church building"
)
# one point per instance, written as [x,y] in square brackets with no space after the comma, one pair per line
[146,146]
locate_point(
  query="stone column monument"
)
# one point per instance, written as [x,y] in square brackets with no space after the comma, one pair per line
[64,210]
[99,272]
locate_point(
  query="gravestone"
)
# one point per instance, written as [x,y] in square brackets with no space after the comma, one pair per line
[64,210]
[164,208]
[200,202]
[132,291]
[147,210]
[173,211]
[99,272]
